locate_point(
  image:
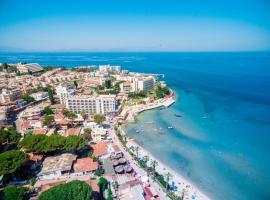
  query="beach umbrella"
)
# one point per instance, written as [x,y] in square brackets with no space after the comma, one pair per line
[122,160]
[128,168]
[115,163]
[119,169]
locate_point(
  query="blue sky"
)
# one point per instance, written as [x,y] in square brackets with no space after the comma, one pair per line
[139,25]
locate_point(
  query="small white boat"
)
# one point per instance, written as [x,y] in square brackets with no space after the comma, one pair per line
[170,127]
[137,131]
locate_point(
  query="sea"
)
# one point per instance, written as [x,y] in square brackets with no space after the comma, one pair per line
[221,118]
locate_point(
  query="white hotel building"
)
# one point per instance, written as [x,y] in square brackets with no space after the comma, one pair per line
[104,104]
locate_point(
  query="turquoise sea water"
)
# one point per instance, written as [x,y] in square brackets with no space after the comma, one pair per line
[221,142]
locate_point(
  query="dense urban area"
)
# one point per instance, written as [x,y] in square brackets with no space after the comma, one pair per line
[61,134]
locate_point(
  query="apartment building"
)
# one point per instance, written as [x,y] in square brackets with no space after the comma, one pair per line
[10,94]
[92,104]
[109,68]
[65,90]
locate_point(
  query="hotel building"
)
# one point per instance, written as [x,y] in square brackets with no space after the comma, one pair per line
[104,104]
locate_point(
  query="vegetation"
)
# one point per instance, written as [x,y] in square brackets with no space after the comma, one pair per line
[74,190]
[10,161]
[108,84]
[71,115]
[27,98]
[103,185]
[48,110]
[8,68]
[87,134]
[76,84]
[140,94]
[9,136]
[99,118]
[160,91]
[14,193]
[50,94]
[99,172]
[48,120]
[50,144]
[110,197]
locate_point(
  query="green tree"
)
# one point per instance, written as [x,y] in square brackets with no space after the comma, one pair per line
[9,136]
[48,110]
[53,143]
[103,185]
[154,164]
[76,84]
[87,134]
[74,143]
[50,94]
[27,98]
[99,118]
[168,175]
[74,190]
[10,161]
[32,143]
[71,115]
[14,193]
[48,120]
[108,83]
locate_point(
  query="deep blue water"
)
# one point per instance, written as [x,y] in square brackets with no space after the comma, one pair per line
[222,141]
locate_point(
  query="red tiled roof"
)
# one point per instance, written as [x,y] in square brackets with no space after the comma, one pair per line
[62,122]
[85,164]
[35,157]
[57,106]
[73,131]
[26,125]
[101,148]
[39,131]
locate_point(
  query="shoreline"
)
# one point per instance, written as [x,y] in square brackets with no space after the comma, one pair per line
[191,191]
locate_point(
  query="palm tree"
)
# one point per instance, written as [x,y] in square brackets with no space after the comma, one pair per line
[137,152]
[183,193]
[146,159]
[154,164]
[168,175]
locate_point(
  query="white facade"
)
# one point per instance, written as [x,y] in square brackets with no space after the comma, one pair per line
[10,94]
[145,84]
[40,96]
[63,91]
[92,104]
[109,68]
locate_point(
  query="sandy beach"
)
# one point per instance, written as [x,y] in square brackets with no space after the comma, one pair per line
[191,191]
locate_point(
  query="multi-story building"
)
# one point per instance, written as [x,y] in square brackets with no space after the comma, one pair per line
[10,94]
[127,87]
[109,68]
[40,95]
[137,84]
[65,90]
[144,84]
[32,67]
[92,104]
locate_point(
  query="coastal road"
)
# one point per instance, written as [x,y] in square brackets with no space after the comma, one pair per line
[140,172]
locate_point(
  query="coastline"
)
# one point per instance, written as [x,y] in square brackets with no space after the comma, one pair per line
[191,191]
[182,184]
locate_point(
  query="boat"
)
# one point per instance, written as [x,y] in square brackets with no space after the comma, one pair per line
[137,131]
[176,115]
[170,127]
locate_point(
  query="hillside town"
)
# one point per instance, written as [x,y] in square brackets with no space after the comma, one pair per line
[60,126]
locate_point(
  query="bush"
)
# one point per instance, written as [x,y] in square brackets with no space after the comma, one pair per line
[9,136]
[74,190]
[10,161]
[14,193]
[48,110]
[99,172]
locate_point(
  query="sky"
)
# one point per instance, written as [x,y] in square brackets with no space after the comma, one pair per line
[135,25]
